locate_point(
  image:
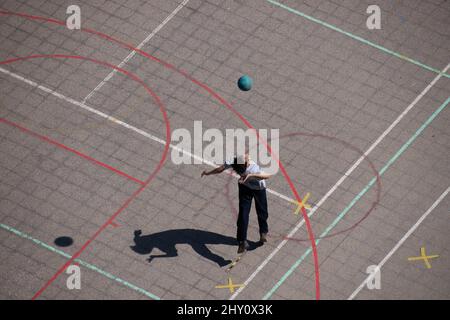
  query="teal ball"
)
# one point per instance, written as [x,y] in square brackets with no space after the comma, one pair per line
[245,83]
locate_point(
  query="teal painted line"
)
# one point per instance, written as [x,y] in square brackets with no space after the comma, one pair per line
[358,38]
[356,199]
[81,262]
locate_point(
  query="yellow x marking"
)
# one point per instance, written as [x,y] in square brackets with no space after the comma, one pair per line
[230,285]
[301,204]
[424,257]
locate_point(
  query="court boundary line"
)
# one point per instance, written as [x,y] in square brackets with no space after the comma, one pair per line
[392,160]
[400,242]
[69,149]
[133,53]
[79,261]
[343,178]
[358,38]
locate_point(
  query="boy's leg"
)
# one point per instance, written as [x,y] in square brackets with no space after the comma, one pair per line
[245,204]
[261,210]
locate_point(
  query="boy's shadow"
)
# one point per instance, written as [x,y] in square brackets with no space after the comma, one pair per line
[166,241]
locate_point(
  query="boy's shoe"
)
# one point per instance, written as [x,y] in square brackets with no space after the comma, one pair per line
[243,246]
[263,238]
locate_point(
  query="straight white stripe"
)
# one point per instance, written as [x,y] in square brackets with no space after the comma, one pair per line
[124,124]
[340,181]
[402,240]
[132,53]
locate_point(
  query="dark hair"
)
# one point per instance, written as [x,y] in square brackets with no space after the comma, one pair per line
[239,168]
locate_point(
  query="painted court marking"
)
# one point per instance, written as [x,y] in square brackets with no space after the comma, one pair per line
[115,224]
[423,256]
[343,178]
[64,147]
[358,38]
[230,285]
[133,53]
[400,242]
[392,160]
[302,204]
[80,262]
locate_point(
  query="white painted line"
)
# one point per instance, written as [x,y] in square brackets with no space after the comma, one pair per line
[132,53]
[124,124]
[340,181]
[401,241]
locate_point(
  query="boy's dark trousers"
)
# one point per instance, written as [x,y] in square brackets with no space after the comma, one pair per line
[245,204]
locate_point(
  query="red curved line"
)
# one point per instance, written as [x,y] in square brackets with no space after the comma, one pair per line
[146,182]
[223,102]
[372,166]
[71,150]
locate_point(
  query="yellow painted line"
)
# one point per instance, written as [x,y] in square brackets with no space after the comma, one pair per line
[232,265]
[302,204]
[423,256]
[230,285]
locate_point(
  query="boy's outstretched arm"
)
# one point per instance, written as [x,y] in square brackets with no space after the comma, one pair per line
[214,171]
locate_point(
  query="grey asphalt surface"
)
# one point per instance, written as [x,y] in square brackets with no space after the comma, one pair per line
[308,79]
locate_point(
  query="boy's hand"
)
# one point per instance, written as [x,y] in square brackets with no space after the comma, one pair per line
[244,178]
[204,173]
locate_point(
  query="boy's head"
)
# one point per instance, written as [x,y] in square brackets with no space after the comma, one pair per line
[240,163]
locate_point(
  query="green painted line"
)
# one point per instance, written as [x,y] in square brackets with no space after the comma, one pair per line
[81,262]
[358,38]
[363,191]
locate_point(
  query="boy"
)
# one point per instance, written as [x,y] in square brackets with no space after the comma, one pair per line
[251,185]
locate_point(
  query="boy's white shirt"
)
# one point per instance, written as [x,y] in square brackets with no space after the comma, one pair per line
[255,184]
